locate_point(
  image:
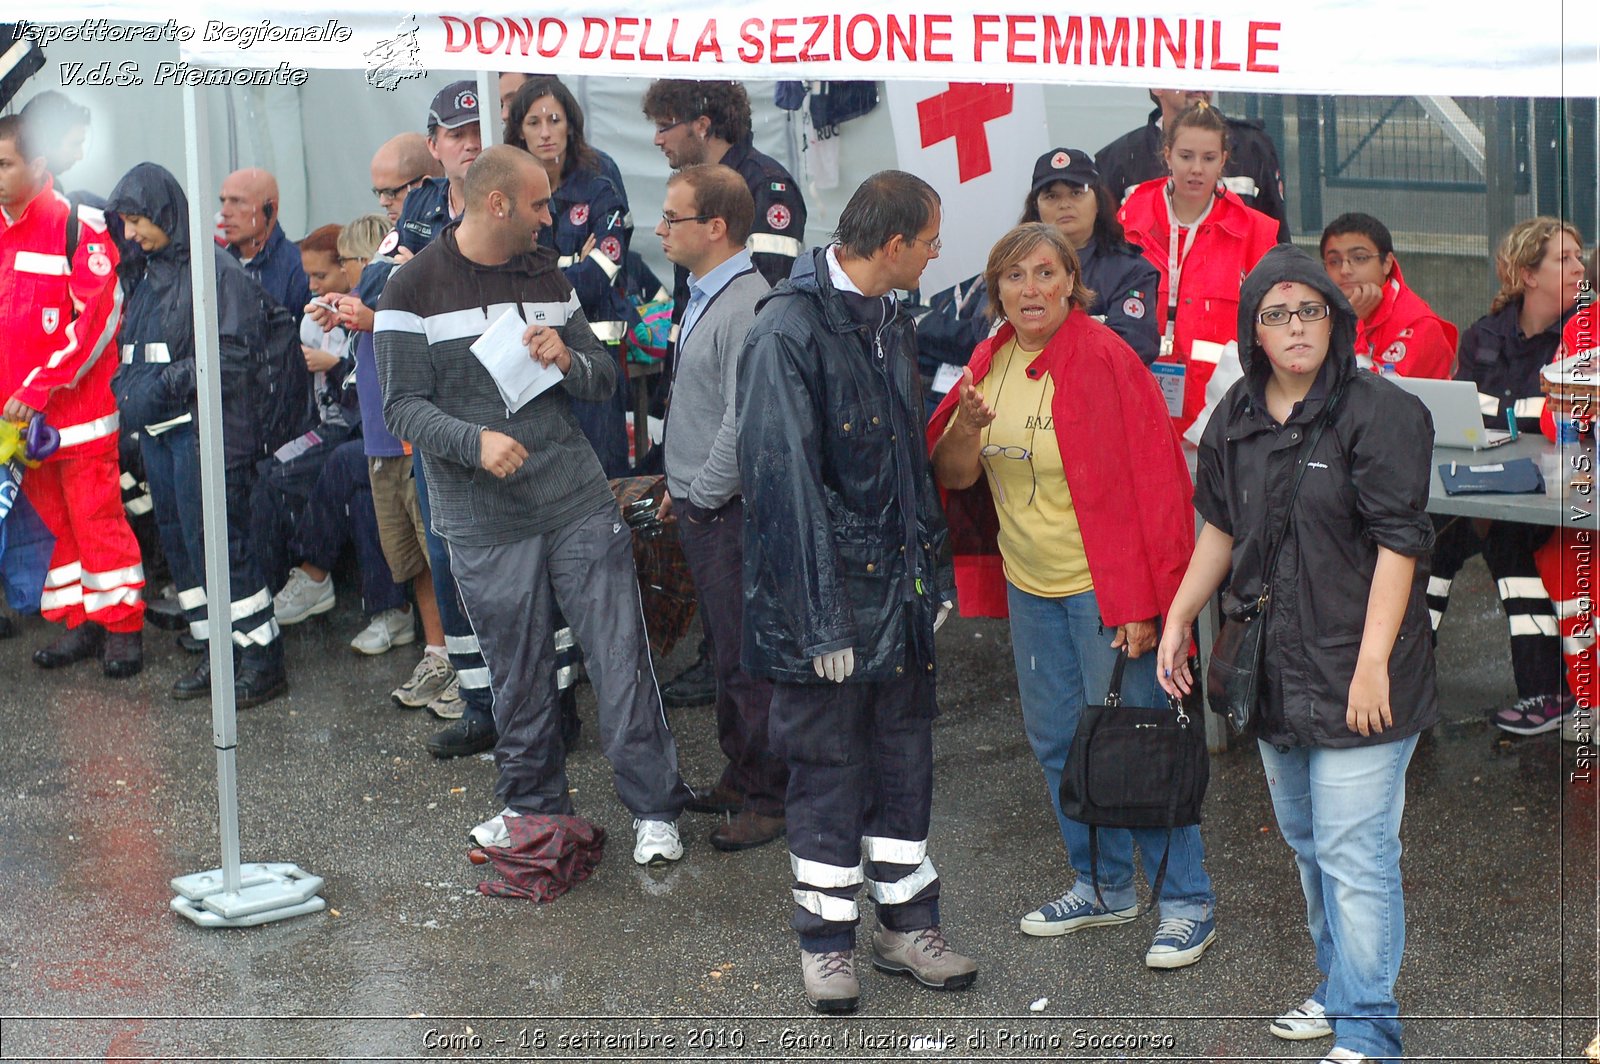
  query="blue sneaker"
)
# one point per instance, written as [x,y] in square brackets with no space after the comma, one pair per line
[1070,913]
[1179,942]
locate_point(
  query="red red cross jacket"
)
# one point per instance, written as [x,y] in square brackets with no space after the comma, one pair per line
[1405,333]
[1227,245]
[1124,465]
[60,321]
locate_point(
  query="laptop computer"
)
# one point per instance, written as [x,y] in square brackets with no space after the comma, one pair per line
[1457,419]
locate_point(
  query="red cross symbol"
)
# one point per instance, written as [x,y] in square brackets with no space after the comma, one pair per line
[961,113]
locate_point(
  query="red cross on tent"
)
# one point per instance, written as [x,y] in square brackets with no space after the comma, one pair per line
[961,112]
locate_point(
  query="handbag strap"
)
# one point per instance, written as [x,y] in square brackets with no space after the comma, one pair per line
[1303,459]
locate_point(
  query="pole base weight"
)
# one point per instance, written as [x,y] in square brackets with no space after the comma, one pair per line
[267,892]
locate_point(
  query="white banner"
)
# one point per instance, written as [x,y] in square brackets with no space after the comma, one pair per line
[1398,47]
[976,145]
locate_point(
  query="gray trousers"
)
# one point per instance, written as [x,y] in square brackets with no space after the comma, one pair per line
[506,589]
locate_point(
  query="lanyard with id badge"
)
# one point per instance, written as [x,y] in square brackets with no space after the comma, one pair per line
[1171,375]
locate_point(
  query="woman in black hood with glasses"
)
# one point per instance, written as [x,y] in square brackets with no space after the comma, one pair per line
[1348,676]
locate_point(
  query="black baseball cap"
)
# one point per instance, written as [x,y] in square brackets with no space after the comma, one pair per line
[1064,164]
[454,106]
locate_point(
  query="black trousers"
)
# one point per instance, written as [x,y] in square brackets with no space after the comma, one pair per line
[714,547]
[1507,548]
[860,757]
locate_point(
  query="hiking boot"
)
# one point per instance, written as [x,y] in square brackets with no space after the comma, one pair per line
[694,686]
[389,629]
[461,739]
[1533,715]
[1306,1020]
[1179,942]
[747,831]
[256,686]
[122,655]
[427,681]
[925,956]
[656,842]
[75,645]
[302,597]
[830,980]
[1070,913]
[197,684]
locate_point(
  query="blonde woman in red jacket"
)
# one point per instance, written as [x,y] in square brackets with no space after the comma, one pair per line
[1203,240]
[1068,503]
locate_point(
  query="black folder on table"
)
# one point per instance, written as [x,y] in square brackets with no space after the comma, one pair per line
[1517,476]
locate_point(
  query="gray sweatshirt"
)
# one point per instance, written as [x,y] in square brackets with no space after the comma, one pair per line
[702,461]
[438,396]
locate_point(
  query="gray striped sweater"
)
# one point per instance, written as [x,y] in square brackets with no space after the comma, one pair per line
[438,396]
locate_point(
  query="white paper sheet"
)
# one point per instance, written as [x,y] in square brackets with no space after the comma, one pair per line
[518,376]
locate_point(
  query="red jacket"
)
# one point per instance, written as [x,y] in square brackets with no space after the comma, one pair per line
[1124,465]
[60,321]
[1227,246]
[1406,334]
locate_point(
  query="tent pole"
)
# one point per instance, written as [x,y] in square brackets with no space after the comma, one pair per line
[260,893]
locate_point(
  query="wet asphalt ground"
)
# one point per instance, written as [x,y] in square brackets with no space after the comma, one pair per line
[107,790]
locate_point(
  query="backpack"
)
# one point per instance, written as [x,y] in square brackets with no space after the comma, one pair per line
[281,397]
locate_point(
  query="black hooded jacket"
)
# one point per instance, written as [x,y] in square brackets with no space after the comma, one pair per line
[1366,486]
[155,385]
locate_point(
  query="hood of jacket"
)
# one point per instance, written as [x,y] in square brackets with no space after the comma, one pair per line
[842,311]
[1285,263]
[150,190]
[486,279]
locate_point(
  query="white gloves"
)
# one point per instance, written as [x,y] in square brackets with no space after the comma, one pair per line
[943,614]
[836,666]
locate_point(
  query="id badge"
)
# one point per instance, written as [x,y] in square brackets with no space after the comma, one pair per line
[946,378]
[296,447]
[1170,378]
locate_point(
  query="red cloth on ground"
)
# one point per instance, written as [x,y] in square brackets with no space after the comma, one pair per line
[548,856]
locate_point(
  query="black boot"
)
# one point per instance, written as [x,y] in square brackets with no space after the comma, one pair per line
[166,614]
[6,628]
[123,655]
[261,676]
[197,684]
[76,645]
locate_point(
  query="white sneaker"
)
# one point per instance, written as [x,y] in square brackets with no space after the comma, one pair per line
[448,706]
[1306,1020]
[655,842]
[1340,1055]
[428,681]
[493,832]
[389,629]
[302,597]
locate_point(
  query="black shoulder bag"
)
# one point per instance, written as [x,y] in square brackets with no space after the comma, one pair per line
[1233,677]
[1134,767]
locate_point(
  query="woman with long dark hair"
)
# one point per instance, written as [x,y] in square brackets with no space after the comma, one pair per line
[589,233]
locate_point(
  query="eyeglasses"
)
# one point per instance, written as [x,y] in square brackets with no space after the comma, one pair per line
[992,450]
[669,221]
[663,130]
[398,190]
[1276,316]
[935,245]
[1357,259]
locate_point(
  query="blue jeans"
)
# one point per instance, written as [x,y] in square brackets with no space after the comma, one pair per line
[1339,811]
[1064,661]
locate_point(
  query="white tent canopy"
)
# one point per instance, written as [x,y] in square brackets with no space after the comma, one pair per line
[1414,47]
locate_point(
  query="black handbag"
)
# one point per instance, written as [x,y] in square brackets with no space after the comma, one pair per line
[1233,676]
[1134,767]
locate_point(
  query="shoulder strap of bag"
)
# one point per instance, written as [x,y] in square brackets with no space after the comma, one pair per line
[1303,459]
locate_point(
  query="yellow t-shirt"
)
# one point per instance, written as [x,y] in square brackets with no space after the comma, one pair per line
[1040,541]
